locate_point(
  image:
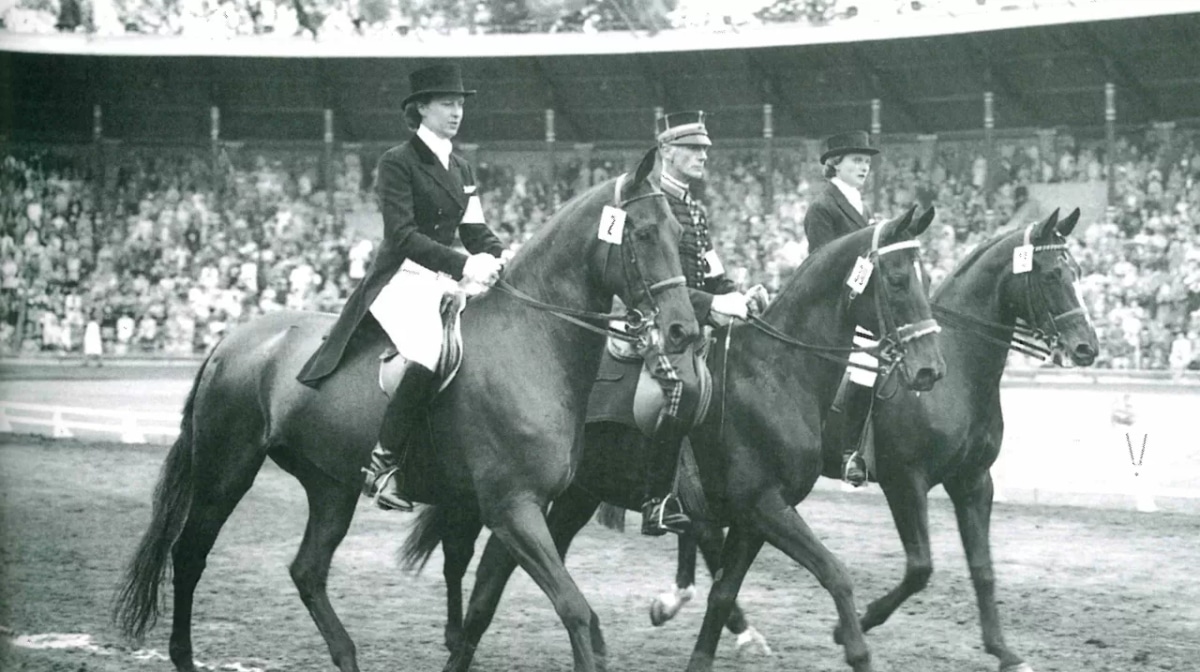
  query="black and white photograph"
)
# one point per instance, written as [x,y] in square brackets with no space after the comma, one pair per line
[599,335]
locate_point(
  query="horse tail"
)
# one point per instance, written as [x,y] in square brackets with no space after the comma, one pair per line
[423,539]
[612,517]
[137,602]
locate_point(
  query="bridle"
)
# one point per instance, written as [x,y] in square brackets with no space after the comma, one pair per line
[1036,340]
[890,349]
[636,322]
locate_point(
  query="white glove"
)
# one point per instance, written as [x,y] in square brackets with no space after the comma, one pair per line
[732,304]
[482,269]
[757,299]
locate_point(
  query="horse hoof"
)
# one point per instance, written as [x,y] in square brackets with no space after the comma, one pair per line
[1019,667]
[664,607]
[751,641]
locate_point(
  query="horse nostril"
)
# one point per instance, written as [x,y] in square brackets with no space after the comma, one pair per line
[676,333]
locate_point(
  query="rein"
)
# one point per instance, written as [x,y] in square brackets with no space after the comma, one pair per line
[637,321]
[1031,341]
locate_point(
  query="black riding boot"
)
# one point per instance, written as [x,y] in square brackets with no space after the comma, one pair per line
[846,428]
[661,510]
[384,480]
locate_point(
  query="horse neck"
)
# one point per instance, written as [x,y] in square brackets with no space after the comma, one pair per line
[814,308]
[548,266]
[978,292]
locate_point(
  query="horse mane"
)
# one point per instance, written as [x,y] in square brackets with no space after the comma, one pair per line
[568,213]
[821,264]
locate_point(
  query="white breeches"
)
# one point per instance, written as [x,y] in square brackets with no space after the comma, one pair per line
[863,339]
[409,310]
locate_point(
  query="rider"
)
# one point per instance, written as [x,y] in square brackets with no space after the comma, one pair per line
[426,194]
[838,210]
[683,144]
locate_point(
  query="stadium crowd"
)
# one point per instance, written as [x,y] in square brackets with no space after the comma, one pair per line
[209,19]
[160,253]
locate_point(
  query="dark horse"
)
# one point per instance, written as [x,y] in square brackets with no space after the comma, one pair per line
[758,451]
[507,431]
[952,435]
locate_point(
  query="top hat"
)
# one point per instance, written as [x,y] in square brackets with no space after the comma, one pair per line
[443,78]
[682,128]
[854,142]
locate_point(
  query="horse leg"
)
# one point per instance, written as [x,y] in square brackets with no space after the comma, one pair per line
[710,538]
[458,546]
[667,604]
[786,530]
[522,527]
[972,497]
[330,510]
[218,489]
[909,503]
[568,515]
[741,547]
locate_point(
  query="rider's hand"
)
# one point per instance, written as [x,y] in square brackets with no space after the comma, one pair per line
[732,304]
[757,300]
[482,269]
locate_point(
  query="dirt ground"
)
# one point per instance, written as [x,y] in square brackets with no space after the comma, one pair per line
[1082,590]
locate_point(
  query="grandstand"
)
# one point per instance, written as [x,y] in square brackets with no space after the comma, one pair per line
[167,186]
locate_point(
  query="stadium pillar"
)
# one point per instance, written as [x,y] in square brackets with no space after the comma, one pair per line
[327,171]
[550,138]
[583,152]
[98,163]
[214,134]
[768,132]
[877,160]
[989,143]
[1110,137]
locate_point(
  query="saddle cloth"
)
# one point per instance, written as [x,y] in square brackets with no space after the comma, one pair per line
[626,393]
[391,362]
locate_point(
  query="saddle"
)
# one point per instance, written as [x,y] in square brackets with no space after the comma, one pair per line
[624,391]
[391,363]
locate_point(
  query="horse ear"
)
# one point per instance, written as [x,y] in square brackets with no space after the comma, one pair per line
[922,222]
[1066,225]
[1042,231]
[897,226]
[646,166]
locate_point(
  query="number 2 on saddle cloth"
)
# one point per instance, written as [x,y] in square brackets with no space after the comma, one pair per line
[626,392]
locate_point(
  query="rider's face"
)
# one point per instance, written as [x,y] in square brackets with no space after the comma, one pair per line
[685,162]
[853,169]
[442,114]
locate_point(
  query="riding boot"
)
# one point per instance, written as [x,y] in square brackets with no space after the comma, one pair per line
[661,510]
[847,431]
[384,480]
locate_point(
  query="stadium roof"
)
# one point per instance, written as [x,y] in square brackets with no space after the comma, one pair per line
[1042,76]
[432,45]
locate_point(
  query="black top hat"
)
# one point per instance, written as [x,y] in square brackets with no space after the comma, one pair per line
[443,78]
[854,142]
[683,128]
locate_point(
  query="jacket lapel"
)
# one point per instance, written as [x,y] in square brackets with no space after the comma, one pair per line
[848,209]
[433,168]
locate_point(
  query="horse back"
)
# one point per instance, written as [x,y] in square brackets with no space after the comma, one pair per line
[251,392]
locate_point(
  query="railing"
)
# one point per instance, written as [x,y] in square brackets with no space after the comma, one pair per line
[62,422]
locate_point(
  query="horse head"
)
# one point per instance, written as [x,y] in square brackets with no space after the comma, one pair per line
[1042,288]
[649,277]
[894,300]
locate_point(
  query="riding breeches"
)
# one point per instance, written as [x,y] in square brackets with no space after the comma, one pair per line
[409,310]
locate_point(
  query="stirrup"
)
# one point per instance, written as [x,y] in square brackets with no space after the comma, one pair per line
[657,522]
[376,488]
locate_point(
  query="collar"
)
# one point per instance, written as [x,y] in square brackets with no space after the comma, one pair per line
[441,147]
[853,195]
[673,187]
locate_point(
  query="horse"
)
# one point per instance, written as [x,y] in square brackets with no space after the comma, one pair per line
[504,434]
[760,453]
[952,436]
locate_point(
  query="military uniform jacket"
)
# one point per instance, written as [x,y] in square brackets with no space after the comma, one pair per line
[694,245]
[422,205]
[830,216]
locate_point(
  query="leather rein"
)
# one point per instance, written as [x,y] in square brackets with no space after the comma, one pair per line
[636,322]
